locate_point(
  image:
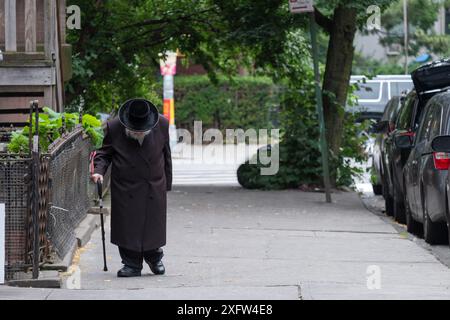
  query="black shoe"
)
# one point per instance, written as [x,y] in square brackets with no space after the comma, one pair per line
[128,272]
[157,268]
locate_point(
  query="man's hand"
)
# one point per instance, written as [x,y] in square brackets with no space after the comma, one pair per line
[96,177]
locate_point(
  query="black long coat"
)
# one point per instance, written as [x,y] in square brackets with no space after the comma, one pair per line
[140,179]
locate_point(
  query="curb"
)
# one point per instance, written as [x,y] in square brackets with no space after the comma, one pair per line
[53,275]
[47,279]
[85,229]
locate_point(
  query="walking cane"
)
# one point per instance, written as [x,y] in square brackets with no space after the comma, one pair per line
[100,196]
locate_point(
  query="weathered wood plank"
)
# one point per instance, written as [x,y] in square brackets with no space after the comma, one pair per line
[30,25]
[26,76]
[10,26]
[49,34]
[13,118]
[7,103]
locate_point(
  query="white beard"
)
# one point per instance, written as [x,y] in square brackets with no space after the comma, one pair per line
[138,136]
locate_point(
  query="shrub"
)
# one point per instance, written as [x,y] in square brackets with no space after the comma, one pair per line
[240,102]
[299,148]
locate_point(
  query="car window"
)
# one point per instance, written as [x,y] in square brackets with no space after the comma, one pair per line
[436,122]
[426,124]
[398,87]
[388,111]
[368,90]
[404,118]
[393,109]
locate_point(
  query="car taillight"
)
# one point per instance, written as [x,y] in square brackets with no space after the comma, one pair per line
[441,160]
[408,133]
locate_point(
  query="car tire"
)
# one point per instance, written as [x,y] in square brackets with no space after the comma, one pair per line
[412,226]
[399,207]
[433,232]
[377,189]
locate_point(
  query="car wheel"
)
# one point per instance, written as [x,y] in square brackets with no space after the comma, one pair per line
[377,189]
[412,226]
[433,232]
[399,207]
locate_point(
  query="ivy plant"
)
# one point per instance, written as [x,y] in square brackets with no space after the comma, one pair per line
[51,125]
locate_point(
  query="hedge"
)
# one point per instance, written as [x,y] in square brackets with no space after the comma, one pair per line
[241,102]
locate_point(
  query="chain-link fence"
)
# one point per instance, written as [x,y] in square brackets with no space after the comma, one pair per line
[15,174]
[70,195]
[64,198]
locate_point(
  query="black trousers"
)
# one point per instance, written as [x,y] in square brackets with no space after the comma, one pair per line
[135,259]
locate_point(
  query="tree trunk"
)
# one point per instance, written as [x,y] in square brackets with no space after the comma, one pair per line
[337,76]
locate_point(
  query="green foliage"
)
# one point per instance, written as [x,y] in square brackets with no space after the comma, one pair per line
[372,67]
[240,102]
[19,143]
[422,15]
[51,126]
[299,149]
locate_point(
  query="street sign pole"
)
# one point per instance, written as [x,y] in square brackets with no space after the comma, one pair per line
[307,6]
[323,140]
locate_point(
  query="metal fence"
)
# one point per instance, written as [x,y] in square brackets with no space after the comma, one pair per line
[15,193]
[64,198]
[70,192]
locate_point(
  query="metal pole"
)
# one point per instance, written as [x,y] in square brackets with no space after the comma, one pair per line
[323,140]
[58,106]
[405,28]
[36,166]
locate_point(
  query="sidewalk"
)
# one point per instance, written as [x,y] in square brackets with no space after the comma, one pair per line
[229,243]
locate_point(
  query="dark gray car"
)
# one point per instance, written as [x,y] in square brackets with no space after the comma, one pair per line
[384,129]
[425,174]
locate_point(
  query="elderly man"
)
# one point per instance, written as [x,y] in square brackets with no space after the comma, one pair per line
[137,145]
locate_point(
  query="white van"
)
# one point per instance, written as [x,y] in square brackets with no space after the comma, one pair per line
[373,94]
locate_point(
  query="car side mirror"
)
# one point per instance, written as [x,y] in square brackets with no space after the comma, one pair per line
[403,141]
[441,144]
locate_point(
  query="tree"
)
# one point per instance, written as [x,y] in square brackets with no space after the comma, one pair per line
[341,23]
[422,15]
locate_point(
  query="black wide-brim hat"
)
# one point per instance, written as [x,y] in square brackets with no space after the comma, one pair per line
[139,115]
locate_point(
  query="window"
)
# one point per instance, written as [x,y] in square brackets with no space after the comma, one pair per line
[368,91]
[426,124]
[436,123]
[404,118]
[398,87]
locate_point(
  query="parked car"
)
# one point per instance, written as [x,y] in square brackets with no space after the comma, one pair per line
[384,129]
[426,172]
[441,144]
[428,80]
[395,158]
[374,93]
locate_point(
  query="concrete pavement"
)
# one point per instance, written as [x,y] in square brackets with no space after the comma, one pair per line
[228,243]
